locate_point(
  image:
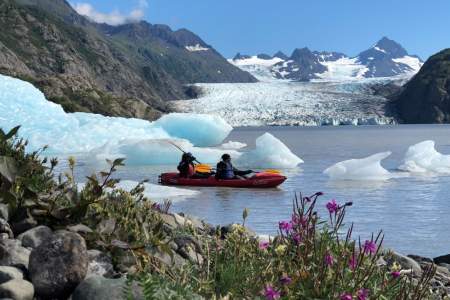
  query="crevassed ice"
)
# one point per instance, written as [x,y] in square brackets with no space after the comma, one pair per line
[99,137]
[368,168]
[423,158]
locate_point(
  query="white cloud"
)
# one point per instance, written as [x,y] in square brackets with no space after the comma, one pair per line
[113,18]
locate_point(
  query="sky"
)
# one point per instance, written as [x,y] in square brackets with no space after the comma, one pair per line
[263,26]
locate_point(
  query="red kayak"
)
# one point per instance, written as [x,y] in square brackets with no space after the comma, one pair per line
[259,180]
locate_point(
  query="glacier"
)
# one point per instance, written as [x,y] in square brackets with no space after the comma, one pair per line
[368,168]
[290,103]
[96,137]
[423,158]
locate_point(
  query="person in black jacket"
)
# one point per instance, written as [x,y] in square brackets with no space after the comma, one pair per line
[225,169]
[186,166]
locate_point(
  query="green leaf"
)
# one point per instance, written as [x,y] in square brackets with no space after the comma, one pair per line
[12,132]
[8,168]
[119,162]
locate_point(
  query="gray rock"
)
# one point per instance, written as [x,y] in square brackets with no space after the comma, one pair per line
[99,264]
[100,288]
[4,211]
[405,262]
[58,265]
[23,222]
[80,228]
[34,237]
[13,254]
[9,273]
[175,260]
[169,220]
[17,289]
[5,228]
[444,259]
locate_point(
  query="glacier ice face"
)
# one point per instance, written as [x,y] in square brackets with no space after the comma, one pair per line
[98,137]
[231,145]
[269,152]
[200,129]
[368,168]
[290,103]
[423,158]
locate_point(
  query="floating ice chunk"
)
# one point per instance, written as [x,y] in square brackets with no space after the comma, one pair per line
[233,145]
[154,192]
[423,157]
[201,129]
[368,168]
[270,152]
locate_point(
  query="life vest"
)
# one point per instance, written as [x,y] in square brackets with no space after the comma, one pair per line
[229,171]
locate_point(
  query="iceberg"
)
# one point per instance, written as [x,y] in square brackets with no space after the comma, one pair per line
[141,142]
[423,158]
[368,168]
[200,129]
[154,192]
[270,152]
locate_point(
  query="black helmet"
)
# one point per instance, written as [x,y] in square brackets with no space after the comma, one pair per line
[226,156]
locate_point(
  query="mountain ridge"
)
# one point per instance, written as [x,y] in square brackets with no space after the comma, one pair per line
[386,58]
[85,66]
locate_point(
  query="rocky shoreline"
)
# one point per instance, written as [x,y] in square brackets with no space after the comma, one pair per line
[37,262]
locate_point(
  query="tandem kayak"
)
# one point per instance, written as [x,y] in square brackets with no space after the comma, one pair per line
[259,180]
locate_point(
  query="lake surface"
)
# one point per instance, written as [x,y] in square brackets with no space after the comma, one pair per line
[413,211]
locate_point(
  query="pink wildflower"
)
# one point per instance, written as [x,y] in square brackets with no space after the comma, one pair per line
[270,293]
[363,294]
[285,279]
[329,259]
[353,263]
[285,226]
[370,247]
[263,245]
[332,206]
[346,296]
[395,274]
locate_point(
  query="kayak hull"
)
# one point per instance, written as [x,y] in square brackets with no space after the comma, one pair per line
[260,180]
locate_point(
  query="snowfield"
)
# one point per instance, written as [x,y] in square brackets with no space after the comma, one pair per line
[290,103]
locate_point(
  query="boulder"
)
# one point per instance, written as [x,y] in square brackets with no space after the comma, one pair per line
[13,254]
[17,289]
[4,211]
[22,222]
[9,273]
[5,228]
[99,264]
[405,262]
[444,259]
[175,261]
[34,237]
[101,288]
[80,228]
[58,265]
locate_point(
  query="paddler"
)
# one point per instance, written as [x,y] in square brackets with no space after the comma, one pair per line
[186,166]
[225,169]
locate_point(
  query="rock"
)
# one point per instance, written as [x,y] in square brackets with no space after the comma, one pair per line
[5,228]
[80,228]
[17,289]
[4,211]
[169,220]
[420,259]
[444,259]
[175,260]
[9,273]
[99,264]
[13,254]
[23,222]
[34,237]
[58,265]
[100,288]
[405,262]
[125,260]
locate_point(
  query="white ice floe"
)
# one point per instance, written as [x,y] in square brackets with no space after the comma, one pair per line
[270,152]
[233,145]
[154,192]
[98,137]
[368,168]
[423,158]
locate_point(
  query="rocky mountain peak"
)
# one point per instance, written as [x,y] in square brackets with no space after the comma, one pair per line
[281,55]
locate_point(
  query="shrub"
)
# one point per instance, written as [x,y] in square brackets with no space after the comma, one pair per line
[308,259]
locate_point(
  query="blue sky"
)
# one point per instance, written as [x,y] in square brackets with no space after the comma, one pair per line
[263,26]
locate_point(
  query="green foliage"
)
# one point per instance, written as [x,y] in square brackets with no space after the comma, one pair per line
[309,259]
[156,287]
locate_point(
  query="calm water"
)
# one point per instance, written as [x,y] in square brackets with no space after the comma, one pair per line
[414,211]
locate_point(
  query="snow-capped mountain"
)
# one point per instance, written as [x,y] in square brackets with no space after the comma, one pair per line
[386,58]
